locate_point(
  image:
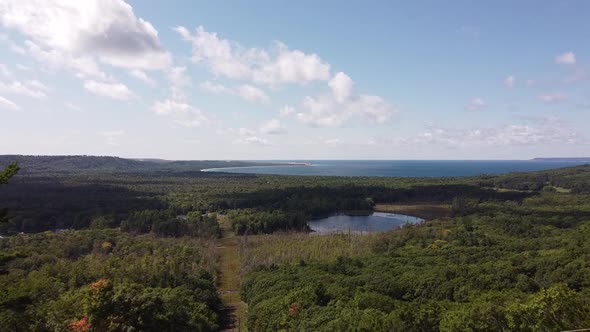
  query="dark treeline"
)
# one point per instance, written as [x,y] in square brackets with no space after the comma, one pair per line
[39,202]
[575,179]
[77,202]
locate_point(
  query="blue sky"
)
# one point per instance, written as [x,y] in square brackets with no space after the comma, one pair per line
[295,80]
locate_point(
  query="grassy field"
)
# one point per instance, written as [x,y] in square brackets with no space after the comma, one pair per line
[229,281]
[296,248]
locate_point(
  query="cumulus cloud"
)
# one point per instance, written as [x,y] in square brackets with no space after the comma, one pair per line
[509,81]
[335,109]
[341,86]
[567,58]
[83,66]
[117,91]
[31,88]
[106,29]
[292,67]
[229,59]
[8,104]
[182,113]
[476,104]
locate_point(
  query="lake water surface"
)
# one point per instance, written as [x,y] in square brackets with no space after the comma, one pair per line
[376,222]
[401,168]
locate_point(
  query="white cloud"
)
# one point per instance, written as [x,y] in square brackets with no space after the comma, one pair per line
[476,104]
[31,88]
[567,58]
[253,140]
[142,76]
[552,97]
[272,127]
[341,86]
[215,87]
[509,81]
[252,93]
[287,110]
[8,104]
[179,81]
[229,59]
[336,109]
[178,77]
[545,132]
[182,113]
[177,107]
[244,91]
[530,82]
[107,29]
[110,90]
[83,66]
[292,67]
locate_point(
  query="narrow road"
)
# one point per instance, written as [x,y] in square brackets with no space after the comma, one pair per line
[234,311]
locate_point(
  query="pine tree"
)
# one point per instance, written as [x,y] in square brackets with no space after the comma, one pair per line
[5,175]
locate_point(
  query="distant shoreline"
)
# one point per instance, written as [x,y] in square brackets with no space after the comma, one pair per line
[275,164]
[572,159]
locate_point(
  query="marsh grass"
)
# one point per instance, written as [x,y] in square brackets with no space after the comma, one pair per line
[294,248]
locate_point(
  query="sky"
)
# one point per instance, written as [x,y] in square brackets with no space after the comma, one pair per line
[289,80]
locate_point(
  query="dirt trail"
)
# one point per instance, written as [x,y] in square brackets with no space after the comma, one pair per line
[234,311]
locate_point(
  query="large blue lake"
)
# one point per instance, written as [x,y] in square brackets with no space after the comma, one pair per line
[402,168]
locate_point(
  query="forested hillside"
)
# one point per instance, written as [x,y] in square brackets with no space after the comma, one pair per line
[94,164]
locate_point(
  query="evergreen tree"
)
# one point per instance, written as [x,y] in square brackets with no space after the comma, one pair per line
[5,175]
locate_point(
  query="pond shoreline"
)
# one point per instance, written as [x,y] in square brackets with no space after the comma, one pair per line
[374,222]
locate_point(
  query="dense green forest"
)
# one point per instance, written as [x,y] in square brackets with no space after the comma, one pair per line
[108,280]
[103,244]
[503,266]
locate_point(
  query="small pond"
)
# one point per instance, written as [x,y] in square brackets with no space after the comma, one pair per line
[375,222]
